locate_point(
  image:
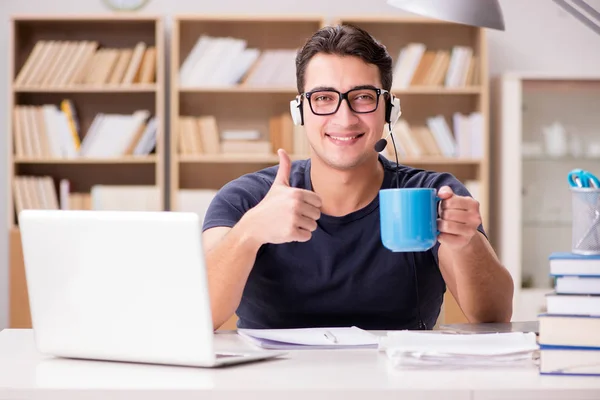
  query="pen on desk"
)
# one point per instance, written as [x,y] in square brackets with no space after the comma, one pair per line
[330,336]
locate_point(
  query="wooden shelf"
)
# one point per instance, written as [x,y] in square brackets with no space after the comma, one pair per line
[78,161]
[50,81]
[88,89]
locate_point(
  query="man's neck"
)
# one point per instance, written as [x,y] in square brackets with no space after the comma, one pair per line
[345,191]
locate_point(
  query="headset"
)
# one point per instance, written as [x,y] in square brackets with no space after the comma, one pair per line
[392,114]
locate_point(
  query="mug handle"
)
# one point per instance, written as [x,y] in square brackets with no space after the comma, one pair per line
[438,203]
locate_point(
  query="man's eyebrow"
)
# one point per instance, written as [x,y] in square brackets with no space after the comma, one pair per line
[319,88]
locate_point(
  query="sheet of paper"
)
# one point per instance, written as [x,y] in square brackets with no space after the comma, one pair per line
[310,338]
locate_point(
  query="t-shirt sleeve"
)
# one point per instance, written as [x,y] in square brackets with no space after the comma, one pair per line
[446,179]
[233,200]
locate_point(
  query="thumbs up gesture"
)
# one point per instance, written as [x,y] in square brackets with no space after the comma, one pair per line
[286,214]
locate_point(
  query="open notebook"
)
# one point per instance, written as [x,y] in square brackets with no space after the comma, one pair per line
[311,338]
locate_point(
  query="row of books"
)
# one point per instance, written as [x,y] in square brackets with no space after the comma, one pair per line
[418,66]
[56,63]
[201,135]
[436,138]
[224,61]
[48,131]
[40,192]
[569,331]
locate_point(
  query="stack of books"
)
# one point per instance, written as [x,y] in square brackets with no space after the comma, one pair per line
[569,333]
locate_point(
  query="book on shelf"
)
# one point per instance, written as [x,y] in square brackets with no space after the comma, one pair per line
[418,66]
[226,61]
[67,63]
[437,138]
[570,327]
[48,131]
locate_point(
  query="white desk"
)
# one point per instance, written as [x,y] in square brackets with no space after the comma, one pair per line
[302,375]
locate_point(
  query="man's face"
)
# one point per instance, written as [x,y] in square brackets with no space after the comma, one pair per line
[345,139]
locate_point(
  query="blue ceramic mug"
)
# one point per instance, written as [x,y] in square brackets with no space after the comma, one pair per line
[408,219]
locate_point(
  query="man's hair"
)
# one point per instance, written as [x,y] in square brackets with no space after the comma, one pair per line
[345,40]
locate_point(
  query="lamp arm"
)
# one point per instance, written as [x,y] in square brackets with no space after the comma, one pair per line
[595,26]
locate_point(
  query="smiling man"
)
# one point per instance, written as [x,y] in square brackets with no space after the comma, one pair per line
[298,244]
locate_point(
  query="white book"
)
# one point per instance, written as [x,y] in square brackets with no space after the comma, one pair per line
[477,135]
[438,127]
[399,63]
[90,136]
[241,65]
[64,191]
[68,146]
[148,140]
[453,68]
[565,304]
[240,134]
[207,62]
[413,57]
[52,129]
[189,64]
[462,133]
[230,54]
[266,68]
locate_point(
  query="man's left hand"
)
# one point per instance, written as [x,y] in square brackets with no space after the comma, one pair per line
[459,219]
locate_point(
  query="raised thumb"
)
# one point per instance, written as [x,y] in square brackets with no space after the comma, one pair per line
[285,166]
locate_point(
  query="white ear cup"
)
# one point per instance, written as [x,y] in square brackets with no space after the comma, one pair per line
[396,111]
[295,111]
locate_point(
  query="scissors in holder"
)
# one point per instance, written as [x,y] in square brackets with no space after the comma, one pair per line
[581,178]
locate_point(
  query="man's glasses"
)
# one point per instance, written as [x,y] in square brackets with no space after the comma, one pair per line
[360,100]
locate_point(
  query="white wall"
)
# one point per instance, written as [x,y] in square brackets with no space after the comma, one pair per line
[539,37]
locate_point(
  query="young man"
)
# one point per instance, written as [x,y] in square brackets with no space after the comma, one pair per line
[298,244]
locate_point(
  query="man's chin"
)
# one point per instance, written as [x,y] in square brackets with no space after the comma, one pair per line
[345,163]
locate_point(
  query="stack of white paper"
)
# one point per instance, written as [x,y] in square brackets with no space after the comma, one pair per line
[407,348]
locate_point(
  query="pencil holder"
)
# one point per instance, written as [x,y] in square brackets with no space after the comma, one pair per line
[586,220]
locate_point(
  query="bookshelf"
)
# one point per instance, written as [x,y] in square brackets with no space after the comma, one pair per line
[74,78]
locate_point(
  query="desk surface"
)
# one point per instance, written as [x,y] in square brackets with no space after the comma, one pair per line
[303,374]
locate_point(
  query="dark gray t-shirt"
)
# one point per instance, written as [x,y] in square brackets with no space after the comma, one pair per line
[343,276]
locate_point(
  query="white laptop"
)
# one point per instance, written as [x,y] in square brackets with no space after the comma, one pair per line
[122,286]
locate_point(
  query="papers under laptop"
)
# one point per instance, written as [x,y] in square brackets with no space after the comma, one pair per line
[311,338]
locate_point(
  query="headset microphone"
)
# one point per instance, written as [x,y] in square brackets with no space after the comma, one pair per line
[381,143]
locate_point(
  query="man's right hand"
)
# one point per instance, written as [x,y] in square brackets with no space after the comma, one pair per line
[285,214]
